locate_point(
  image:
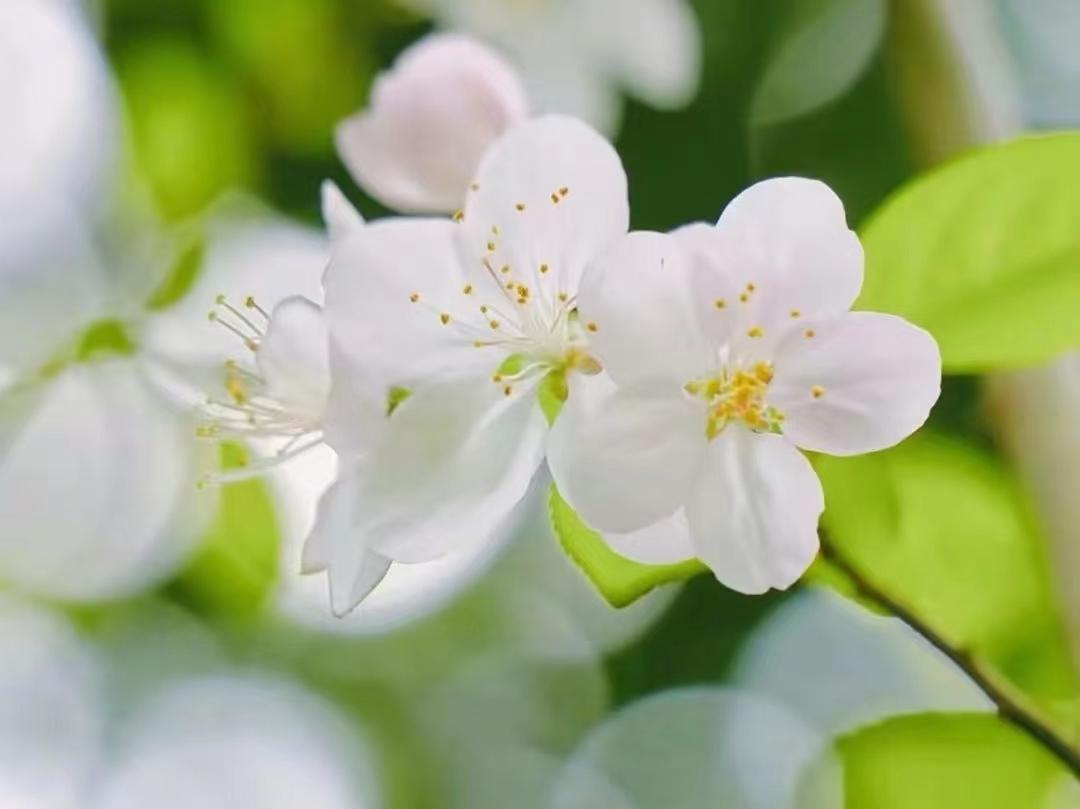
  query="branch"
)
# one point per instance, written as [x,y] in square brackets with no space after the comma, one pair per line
[1024,718]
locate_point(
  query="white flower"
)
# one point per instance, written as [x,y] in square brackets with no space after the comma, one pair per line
[431,118]
[474,319]
[727,348]
[574,54]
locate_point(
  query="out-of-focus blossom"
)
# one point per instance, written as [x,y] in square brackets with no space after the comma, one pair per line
[694,747]
[574,55]
[58,110]
[231,741]
[839,667]
[475,320]
[51,719]
[430,120]
[728,348]
[96,484]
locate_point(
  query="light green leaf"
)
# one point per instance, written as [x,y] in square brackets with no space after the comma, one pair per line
[943,528]
[620,580]
[181,276]
[985,254]
[825,47]
[237,565]
[948,761]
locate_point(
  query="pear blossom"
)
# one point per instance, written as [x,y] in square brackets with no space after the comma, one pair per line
[431,118]
[574,55]
[726,350]
[474,319]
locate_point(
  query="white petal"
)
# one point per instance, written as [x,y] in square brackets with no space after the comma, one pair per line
[551,191]
[335,545]
[294,356]
[663,67]
[637,302]
[625,458]
[339,215]
[665,542]
[432,117]
[754,512]
[377,330]
[877,377]
[455,460]
[571,83]
[789,238]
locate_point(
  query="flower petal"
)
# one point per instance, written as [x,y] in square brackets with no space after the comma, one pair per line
[432,117]
[387,288]
[637,303]
[663,68]
[339,215]
[550,192]
[754,512]
[455,459]
[864,382]
[666,542]
[624,458]
[294,356]
[786,242]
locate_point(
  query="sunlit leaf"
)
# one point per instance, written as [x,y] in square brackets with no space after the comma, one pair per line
[985,254]
[947,761]
[825,47]
[620,580]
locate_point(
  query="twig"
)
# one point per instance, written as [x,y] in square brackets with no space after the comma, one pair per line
[1007,707]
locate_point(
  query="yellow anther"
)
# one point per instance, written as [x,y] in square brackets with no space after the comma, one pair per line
[496,378]
[519,207]
[493,323]
[522,291]
[544,269]
[817,391]
[444,318]
[744,297]
[719,303]
[590,326]
[414,297]
[795,313]
[809,333]
[483,309]
[474,187]
[467,289]
[564,191]
[755,331]
[491,247]
[555,198]
[763,372]
[504,269]
[459,216]
[494,230]
[750,287]
[508,390]
[219,299]
[563,297]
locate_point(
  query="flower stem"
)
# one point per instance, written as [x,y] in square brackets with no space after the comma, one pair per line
[1009,707]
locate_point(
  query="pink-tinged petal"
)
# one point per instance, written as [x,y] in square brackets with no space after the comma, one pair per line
[432,118]
[754,511]
[455,459]
[548,197]
[638,308]
[786,245]
[339,215]
[863,382]
[294,357]
[665,542]
[625,458]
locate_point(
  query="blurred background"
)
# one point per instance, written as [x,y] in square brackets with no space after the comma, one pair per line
[159,646]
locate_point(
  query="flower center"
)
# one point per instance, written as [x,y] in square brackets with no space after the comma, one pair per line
[737,394]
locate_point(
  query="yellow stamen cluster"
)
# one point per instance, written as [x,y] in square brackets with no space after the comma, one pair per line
[737,396]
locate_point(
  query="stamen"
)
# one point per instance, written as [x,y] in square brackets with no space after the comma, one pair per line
[809,334]
[817,391]
[720,303]
[755,331]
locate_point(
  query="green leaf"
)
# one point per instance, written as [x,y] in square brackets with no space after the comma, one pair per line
[826,45]
[236,567]
[104,337]
[984,253]
[552,395]
[943,528]
[181,277]
[949,761]
[620,580]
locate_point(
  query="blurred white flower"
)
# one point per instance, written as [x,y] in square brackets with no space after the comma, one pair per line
[726,349]
[430,120]
[473,319]
[230,741]
[574,55]
[693,747]
[51,719]
[58,108]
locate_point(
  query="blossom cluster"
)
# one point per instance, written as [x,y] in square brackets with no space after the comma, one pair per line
[668,381]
